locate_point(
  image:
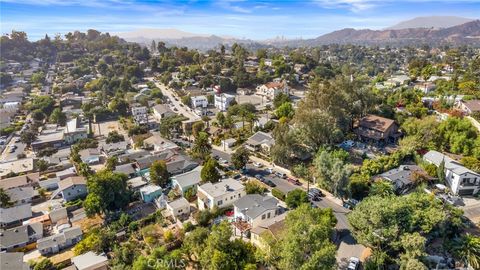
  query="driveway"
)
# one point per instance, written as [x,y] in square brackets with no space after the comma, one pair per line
[471,209]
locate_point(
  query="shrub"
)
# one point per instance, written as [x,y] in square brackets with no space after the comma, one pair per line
[278,194]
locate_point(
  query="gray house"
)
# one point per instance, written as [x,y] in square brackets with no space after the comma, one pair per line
[402,177]
[20,236]
[73,187]
[12,216]
[57,242]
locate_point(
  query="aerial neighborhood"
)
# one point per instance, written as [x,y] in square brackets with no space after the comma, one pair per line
[117,155]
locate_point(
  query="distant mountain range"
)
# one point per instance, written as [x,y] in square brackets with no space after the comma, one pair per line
[434,30]
[435,22]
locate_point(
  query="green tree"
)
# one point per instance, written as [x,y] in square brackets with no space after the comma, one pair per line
[44,264]
[332,171]
[305,241]
[295,198]
[107,191]
[159,173]
[240,158]
[285,110]
[58,117]
[114,137]
[281,99]
[467,249]
[5,199]
[28,136]
[358,186]
[441,172]
[382,188]
[209,172]
[253,187]
[201,147]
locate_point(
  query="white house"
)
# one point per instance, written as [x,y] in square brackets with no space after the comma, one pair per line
[140,114]
[221,194]
[272,89]
[255,209]
[222,101]
[199,101]
[462,181]
[90,261]
[178,207]
[161,110]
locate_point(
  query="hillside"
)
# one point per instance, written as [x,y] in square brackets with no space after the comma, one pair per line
[436,22]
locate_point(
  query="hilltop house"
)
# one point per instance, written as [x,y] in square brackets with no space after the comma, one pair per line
[462,181]
[377,129]
[260,141]
[255,208]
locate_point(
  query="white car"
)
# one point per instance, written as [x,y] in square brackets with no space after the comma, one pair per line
[257,164]
[353,263]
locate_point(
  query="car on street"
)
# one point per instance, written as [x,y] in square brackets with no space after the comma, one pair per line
[281,175]
[17,140]
[353,263]
[269,183]
[314,194]
[294,181]
[350,203]
[259,177]
[269,170]
[257,164]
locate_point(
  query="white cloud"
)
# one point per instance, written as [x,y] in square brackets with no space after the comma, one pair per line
[232,5]
[361,5]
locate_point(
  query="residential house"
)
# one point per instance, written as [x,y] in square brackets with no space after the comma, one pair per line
[74,131]
[425,87]
[26,180]
[255,209]
[58,214]
[13,261]
[90,155]
[51,136]
[179,207]
[221,194]
[113,149]
[161,111]
[57,242]
[73,187]
[223,101]
[403,177]
[269,228]
[19,166]
[61,175]
[90,261]
[199,101]
[140,114]
[469,106]
[19,237]
[159,144]
[21,195]
[136,183]
[180,164]
[260,141]
[461,180]
[377,129]
[228,143]
[272,89]
[150,192]
[127,169]
[15,215]
[183,182]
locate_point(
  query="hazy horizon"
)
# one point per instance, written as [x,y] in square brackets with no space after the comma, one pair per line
[258,20]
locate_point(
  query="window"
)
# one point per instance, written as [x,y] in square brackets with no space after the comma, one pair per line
[219,202]
[263,216]
[268,215]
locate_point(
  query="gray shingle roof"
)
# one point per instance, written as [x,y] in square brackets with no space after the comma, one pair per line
[222,187]
[20,212]
[189,178]
[436,158]
[260,138]
[253,205]
[12,261]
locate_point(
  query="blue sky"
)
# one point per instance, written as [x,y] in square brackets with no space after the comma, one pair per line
[240,18]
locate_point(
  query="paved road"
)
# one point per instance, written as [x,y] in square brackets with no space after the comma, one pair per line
[6,155]
[175,101]
[347,246]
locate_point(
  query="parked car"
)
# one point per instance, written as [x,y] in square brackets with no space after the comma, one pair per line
[350,203]
[257,164]
[269,183]
[259,177]
[294,181]
[281,175]
[269,170]
[237,176]
[353,263]
[314,194]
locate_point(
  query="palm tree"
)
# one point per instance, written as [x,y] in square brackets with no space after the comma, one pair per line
[468,250]
[251,118]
